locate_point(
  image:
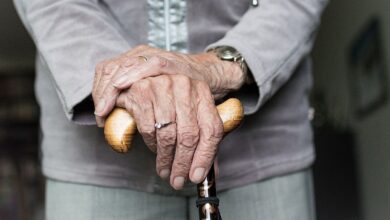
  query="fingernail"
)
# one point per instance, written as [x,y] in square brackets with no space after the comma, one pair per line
[120,81]
[100,107]
[198,175]
[165,173]
[178,182]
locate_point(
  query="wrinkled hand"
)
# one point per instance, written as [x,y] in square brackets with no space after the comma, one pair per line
[185,149]
[118,74]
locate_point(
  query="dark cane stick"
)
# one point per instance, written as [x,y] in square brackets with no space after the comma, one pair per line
[208,202]
[120,128]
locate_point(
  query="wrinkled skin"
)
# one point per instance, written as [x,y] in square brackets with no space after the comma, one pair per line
[169,87]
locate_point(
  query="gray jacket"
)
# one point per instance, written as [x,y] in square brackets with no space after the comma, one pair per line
[275,38]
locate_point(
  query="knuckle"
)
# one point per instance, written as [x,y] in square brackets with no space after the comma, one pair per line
[218,129]
[166,153]
[109,67]
[213,134]
[166,138]
[216,135]
[147,132]
[157,61]
[189,138]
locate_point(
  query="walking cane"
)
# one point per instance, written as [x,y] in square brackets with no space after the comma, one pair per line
[119,131]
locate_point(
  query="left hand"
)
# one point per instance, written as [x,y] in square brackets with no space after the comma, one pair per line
[115,75]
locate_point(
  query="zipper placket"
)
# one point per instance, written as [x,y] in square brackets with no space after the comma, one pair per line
[167,20]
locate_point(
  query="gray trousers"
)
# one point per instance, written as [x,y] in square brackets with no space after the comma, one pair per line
[288,197]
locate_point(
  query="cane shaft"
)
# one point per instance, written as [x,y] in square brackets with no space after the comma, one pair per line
[207,194]
[121,127]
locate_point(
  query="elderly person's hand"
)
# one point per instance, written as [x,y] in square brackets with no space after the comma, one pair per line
[115,75]
[157,86]
[187,145]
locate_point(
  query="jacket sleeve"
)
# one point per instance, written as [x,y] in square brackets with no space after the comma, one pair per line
[273,38]
[71,36]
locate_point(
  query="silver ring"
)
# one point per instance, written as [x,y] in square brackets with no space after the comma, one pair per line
[158,125]
[144,58]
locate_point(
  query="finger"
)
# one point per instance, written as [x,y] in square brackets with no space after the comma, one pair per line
[107,71]
[154,66]
[98,73]
[211,133]
[187,130]
[105,104]
[104,94]
[164,110]
[104,72]
[107,98]
[139,103]
[95,93]
[108,68]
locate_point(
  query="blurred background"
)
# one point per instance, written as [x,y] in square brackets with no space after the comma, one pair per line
[351,120]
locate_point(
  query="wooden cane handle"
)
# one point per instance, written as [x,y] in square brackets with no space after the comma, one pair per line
[120,126]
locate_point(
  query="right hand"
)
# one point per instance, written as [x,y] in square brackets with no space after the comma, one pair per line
[185,149]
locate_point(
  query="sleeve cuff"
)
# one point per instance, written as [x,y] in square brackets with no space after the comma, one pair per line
[79,108]
[249,95]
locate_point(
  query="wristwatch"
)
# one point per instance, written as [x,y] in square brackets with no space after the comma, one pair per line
[227,53]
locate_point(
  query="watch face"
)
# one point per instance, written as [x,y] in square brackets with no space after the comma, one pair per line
[228,53]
